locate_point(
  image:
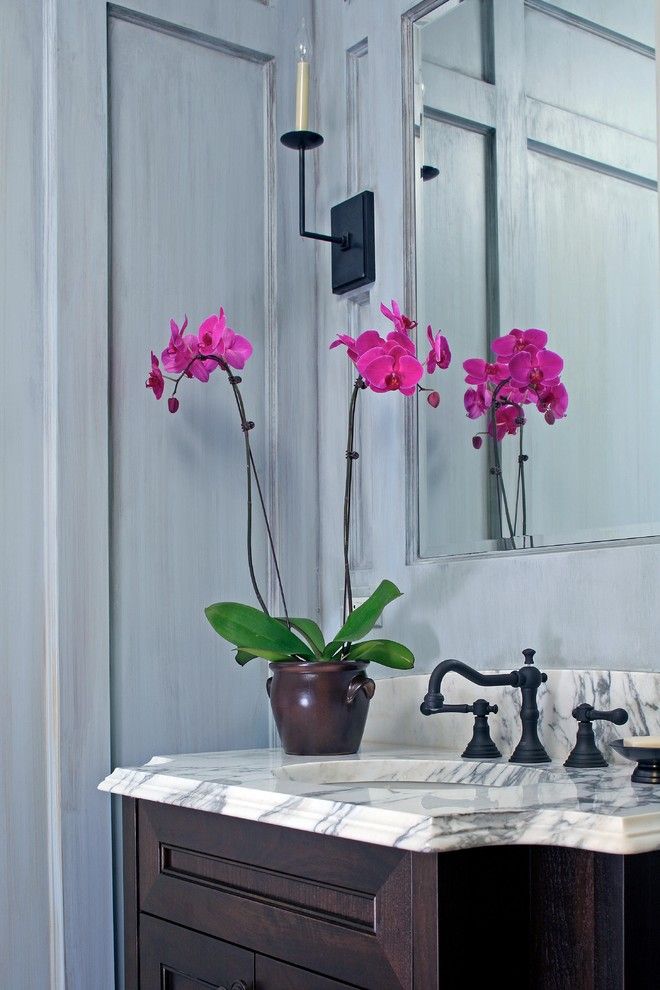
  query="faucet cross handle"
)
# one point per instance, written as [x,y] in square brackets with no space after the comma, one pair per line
[481,746]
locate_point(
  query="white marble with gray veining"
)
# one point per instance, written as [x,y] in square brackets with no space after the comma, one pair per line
[409,788]
[394,711]
[422,800]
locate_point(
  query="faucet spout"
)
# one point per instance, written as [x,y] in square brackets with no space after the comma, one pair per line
[434,702]
[528,678]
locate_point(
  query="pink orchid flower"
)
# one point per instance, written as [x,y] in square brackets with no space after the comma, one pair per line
[176,356]
[479,371]
[507,420]
[396,338]
[439,355]
[553,402]
[211,331]
[477,401]
[235,349]
[391,367]
[215,337]
[201,370]
[519,340]
[401,322]
[535,369]
[517,396]
[366,340]
[155,380]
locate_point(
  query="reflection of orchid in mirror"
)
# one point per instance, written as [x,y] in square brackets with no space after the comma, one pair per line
[524,373]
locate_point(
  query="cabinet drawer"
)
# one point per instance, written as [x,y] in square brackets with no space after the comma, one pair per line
[273,975]
[340,908]
[173,958]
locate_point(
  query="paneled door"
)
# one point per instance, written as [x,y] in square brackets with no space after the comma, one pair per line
[164,117]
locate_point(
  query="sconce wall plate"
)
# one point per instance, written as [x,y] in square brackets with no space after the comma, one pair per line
[355,265]
[352,223]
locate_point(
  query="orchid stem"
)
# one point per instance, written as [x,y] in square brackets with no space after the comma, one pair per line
[521,472]
[498,475]
[246,426]
[351,456]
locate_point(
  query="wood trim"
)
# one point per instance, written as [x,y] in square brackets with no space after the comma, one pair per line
[257,883]
[580,161]
[410,269]
[271,398]
[583,24]
[353,56]
[424,893]
[361,549]
[130,874]
[51,499]
[175,30]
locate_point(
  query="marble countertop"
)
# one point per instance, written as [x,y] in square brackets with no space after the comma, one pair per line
[421,799]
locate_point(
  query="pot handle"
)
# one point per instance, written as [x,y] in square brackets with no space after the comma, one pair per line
[268,685]
[359,683]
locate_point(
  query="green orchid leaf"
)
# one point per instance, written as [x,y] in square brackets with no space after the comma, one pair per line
[244,656]
[384,651]
[250,629]
[310,631]
[363,618]
[332,648]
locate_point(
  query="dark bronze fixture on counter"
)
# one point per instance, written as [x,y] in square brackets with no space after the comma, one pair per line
[528,678]
[585,754]
[647,759]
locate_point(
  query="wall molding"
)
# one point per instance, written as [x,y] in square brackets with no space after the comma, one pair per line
[551,151]
[410,264]
[50,498]
[188,34]
[591,27]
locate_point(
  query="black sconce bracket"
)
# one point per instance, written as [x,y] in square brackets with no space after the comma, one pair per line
[351,223]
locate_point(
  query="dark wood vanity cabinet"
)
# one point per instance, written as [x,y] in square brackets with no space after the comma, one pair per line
[219,902]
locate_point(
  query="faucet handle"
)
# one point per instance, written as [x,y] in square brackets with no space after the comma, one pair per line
[481,746]
[585,754]
[587,713]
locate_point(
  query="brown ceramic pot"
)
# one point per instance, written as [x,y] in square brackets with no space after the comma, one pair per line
[320,709]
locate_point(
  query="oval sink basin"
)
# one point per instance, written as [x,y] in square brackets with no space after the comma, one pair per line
[418,774]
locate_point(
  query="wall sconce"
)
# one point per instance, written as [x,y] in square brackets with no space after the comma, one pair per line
[351,222]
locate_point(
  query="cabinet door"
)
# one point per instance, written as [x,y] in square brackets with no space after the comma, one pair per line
[174,958]
[328,905]
[273,975]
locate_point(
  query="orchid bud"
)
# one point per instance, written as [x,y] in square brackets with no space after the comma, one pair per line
[433,399]
[549,417]
[172,403]
[477,441]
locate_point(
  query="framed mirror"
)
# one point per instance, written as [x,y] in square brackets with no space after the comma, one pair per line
[533,156]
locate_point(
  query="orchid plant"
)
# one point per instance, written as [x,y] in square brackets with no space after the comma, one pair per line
[384,364]
[524,372]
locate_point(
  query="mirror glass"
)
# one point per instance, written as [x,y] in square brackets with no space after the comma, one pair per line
[540,119]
